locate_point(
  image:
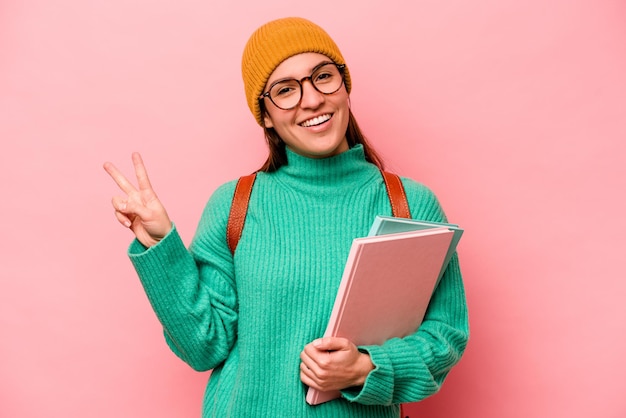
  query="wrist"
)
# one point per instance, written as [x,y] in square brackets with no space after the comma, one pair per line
[364,367]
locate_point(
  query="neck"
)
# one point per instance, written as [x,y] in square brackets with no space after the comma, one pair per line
[348,169]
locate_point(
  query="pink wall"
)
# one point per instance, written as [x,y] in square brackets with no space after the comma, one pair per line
[513,112]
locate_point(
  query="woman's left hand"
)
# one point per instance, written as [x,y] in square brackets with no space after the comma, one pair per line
[333,364]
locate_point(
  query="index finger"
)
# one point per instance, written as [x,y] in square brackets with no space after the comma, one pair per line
[140,171]
[119,178]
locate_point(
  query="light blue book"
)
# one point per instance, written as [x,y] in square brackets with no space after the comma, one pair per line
[384,225]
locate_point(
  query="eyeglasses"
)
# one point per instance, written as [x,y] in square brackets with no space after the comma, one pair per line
[286,94]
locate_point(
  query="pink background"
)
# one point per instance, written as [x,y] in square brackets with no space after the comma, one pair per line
[513,112]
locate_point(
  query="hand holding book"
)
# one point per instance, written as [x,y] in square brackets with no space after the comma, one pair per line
[333,363]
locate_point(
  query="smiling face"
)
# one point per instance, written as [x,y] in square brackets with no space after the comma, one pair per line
[316,127]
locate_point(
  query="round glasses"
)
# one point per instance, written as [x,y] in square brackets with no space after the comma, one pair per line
[286,94]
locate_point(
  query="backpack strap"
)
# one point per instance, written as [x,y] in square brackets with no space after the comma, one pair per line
[238,210]
[241,199]
[397,196]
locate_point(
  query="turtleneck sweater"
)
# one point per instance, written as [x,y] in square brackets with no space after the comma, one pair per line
[248,316]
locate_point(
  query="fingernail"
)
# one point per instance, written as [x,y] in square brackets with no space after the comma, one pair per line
[127,224]
[122,206]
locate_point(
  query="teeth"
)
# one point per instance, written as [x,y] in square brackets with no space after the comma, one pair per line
[315,121]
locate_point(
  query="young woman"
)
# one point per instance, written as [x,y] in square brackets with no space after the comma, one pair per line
[256,317]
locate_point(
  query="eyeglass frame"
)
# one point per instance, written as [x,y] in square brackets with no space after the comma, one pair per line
[340,67]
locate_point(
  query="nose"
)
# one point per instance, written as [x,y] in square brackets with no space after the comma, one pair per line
[311,98]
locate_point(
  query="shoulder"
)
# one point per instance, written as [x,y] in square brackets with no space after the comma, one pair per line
[423,202]
[215,214]
[416,189]
[221,198]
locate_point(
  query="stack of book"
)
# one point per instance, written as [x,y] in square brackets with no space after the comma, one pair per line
[388,281]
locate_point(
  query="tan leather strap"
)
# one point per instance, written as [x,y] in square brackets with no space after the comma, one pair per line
[241,198]
[238,210]
[397,196]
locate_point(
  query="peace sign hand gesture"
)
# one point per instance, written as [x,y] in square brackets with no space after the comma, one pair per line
[140,210]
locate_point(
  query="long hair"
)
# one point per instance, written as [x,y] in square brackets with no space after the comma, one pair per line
[278,156]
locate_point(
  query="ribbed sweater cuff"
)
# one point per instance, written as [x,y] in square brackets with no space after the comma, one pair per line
[377,389]
[413,378]
[154,264]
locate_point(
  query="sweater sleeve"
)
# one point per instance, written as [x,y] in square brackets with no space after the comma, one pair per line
[193,291]
[412,368]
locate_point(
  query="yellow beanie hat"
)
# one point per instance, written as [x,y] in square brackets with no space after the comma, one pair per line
[273,43]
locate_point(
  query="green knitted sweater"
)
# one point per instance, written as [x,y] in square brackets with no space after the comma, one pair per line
[249,316]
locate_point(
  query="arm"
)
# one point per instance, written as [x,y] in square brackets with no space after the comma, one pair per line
[414,367]
[192,293]
[193,297]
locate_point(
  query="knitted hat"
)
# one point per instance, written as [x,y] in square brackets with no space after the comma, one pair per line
[273,43]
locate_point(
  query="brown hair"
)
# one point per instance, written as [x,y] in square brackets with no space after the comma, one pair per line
[278,156]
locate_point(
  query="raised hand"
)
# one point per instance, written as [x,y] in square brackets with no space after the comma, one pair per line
[333,364]
[140,210]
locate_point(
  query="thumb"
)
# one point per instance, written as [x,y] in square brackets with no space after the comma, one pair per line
[331,344]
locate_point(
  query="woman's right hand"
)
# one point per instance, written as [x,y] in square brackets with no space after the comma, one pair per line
[140,210]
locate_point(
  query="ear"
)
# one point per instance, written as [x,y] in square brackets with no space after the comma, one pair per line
[267,120]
